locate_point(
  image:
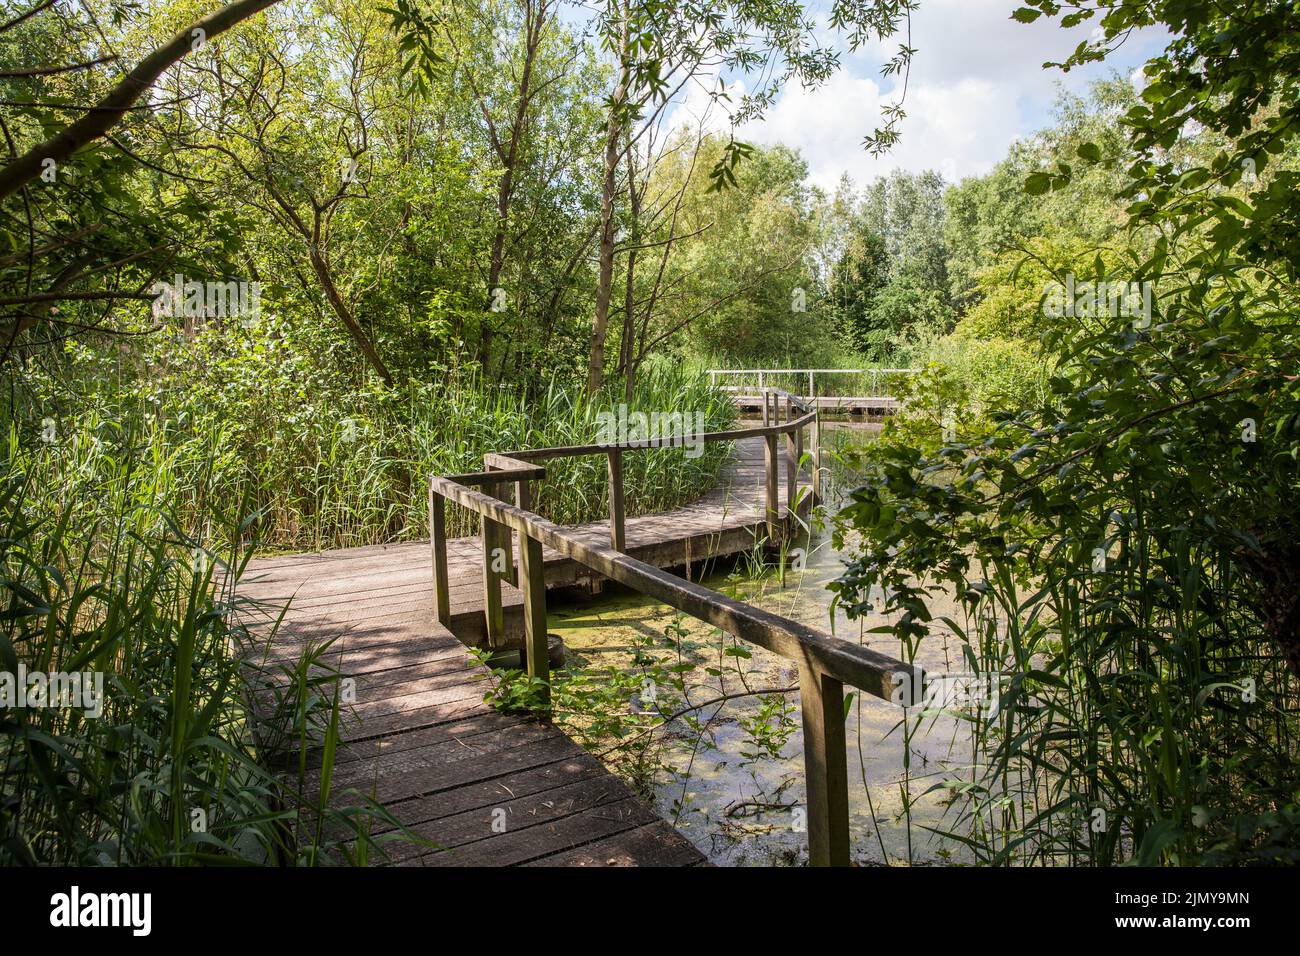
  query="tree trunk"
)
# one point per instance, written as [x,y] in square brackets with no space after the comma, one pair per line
[628,343]
[509,156]
[341,309]
[608,184]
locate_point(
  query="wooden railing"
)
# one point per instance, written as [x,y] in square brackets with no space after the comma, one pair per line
[826,663]
[812,373]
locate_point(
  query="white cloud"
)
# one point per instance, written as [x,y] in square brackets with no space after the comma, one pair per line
[977,84]
[961,129]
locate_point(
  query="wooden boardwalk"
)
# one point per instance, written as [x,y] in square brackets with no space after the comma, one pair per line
[486,788]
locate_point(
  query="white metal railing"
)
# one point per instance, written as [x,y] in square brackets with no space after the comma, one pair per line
[812,373]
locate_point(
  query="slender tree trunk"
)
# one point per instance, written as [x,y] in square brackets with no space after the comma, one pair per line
[608,185]
[344,313]
[628,342]
[534,23]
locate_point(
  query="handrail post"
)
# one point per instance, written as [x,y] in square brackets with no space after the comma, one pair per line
[821,699]
[766,403]
[532,576]
[617,536]
[760,379]
[817,452]
[494,617]
[438,545]
[811,392]
[791,460]
[772,508]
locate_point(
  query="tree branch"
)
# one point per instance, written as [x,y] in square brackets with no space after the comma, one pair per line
[110,110]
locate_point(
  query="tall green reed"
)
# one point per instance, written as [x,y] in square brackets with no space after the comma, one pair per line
[326,464]
[98,576]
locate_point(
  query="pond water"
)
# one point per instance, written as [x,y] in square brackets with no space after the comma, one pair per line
[738,794]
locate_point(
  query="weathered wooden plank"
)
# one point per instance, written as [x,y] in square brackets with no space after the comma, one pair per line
[438,544]
[490,792]
[515,847]
[532,573]
[388,788]
[470,731]
[493,540]
[423,767]
[510,813]
[655,844]
[772,508]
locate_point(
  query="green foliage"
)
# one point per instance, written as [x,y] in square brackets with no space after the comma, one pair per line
[1124,548]
[1013,290]
[742,281]
[769,728]
[991,221]
[890,280]
[270,415]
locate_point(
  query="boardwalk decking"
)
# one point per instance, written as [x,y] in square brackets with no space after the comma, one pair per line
[486,788]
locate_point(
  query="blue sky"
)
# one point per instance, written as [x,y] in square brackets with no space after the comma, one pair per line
[977,84]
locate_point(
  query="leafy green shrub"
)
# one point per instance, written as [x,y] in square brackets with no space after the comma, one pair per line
[1124,555]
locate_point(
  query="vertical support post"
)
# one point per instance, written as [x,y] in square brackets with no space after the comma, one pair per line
[713,377]
[811,393]
[438,544]
[791,460]
[817,452]
[494,617]
[766,406]
[821,699]
[772,508]
[617,538]
[505,537]
[532,577]
[760,380]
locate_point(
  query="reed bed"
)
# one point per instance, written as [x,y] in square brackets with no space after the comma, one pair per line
[129,507]
[346,468]
[157,757]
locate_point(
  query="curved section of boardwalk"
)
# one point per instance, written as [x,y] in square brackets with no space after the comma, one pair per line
[486,788]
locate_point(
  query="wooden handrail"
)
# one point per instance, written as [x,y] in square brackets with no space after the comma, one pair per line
[870,671]
[826,663]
